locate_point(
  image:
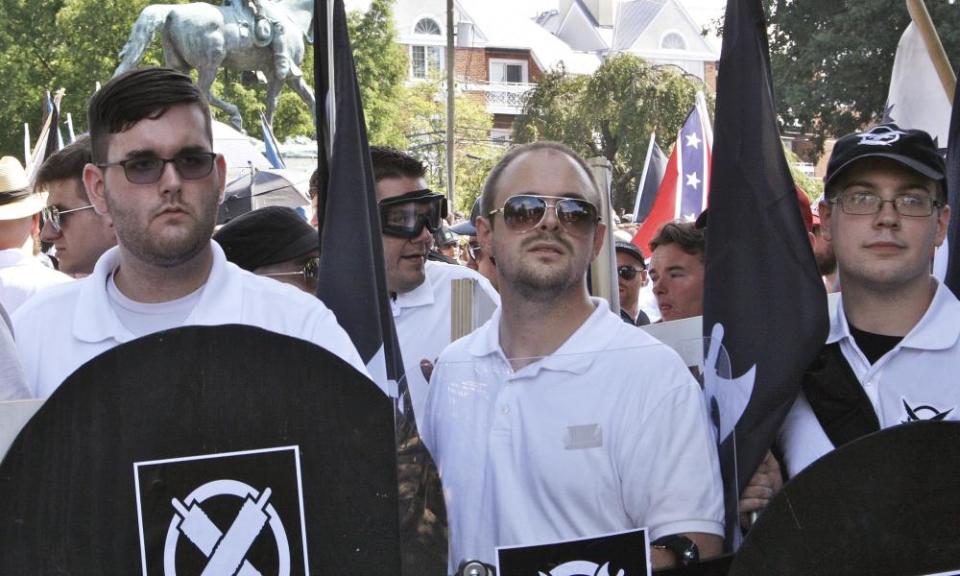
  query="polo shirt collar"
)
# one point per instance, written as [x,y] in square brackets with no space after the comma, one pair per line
[932,332]
[13,257]
[575,356]
[422,295]
[220,301]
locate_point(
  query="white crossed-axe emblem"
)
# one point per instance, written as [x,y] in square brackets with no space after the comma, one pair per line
[226,552]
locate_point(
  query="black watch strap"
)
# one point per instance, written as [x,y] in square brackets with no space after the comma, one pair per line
[682,547]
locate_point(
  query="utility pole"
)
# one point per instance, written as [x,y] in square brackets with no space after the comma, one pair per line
[451,63]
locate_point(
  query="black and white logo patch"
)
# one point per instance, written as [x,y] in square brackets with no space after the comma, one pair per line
[880,136]
[923,412]
[237,513]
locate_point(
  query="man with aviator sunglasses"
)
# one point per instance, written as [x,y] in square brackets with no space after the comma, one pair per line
[79,234]
[564,421]
[155,175]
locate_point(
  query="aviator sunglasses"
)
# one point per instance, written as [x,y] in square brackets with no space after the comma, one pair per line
[524,212]
[406,216]
[149,169]
[54,215]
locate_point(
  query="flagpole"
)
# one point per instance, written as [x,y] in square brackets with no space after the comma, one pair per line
[921,17]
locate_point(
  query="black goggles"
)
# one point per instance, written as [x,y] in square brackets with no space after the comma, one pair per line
[628,272]
[406,216]
[524,212]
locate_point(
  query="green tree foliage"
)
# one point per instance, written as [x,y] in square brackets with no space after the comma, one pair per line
[72,44]
[424,104]
[831,59]
[381,69]
[611,114]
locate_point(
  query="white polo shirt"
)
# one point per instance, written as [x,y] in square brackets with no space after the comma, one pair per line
[916,380]
[422,319]
[607,433]
[22,276]
[62,328]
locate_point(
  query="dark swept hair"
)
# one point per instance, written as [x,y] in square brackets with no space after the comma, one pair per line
[489,194]
[66,164]
[393,163]
[685,235]
[137,94]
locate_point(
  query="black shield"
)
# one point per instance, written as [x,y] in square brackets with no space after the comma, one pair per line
[240,427]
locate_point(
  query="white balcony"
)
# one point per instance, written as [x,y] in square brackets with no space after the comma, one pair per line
[502,97]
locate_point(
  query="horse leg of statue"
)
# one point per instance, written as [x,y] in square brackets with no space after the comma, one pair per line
[300,86]
[274,88]
[205,81]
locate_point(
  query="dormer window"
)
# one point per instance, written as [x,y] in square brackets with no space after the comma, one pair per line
[673,41]
[428,27]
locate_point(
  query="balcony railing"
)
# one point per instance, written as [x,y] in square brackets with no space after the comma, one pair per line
[502,97]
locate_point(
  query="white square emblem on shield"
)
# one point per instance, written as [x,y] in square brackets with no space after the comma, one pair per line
[228,513]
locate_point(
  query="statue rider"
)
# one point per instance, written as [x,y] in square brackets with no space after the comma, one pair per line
[268,30]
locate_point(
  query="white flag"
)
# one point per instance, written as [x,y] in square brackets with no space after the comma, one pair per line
[917,99]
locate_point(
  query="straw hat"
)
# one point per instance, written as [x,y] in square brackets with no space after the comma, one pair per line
[16,197]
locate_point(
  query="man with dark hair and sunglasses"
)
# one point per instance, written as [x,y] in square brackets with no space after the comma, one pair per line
[556,420]
[155,175]
[79,234]
[894,342]
[631,277]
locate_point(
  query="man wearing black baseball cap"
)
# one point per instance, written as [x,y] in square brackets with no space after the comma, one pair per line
[631,277]
[894,341]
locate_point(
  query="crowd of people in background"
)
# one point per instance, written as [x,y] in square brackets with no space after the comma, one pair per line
[540,423]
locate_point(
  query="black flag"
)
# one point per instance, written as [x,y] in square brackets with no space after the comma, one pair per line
[353,284]
[953,198]
[762,285]
[352,278]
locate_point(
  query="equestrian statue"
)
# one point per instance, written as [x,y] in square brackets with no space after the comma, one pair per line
[245,35]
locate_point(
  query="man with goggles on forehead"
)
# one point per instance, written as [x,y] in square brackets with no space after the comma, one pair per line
[556,420]
[79,234]
[155,175]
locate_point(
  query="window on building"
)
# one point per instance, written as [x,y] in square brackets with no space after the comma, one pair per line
[427,26]
[426,60]
[673,41]
[508,71]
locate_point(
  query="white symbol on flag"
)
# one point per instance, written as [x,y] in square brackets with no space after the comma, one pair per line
[226,552]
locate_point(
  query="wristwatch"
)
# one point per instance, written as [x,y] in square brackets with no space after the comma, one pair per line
[683,548]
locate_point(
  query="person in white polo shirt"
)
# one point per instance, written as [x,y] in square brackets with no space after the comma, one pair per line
[156,176]
[894,344]
[21,273]
[556,420]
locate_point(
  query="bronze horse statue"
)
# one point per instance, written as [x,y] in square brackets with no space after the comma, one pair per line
[268,39]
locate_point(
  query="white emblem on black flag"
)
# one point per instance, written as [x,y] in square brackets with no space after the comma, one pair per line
[238,513]
[617,554]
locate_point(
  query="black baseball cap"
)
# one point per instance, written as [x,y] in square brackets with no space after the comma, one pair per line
[912,148]
[468,227]
[267,236]
[631,249]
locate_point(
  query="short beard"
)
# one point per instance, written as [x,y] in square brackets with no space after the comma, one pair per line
[543,288]
[163,253]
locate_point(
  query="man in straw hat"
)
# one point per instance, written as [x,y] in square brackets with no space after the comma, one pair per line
[21,274]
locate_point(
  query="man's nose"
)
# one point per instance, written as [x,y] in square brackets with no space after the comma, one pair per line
[48,233]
